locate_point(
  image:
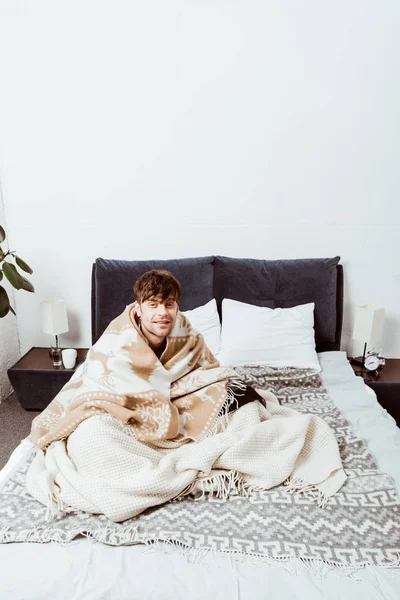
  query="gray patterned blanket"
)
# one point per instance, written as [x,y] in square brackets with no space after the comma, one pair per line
[359,526]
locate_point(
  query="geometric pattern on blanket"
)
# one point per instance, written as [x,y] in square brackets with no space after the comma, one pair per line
[359,526]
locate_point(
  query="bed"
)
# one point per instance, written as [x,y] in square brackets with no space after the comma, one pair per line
[183,558]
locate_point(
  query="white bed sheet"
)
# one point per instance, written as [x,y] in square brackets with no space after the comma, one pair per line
[89,570]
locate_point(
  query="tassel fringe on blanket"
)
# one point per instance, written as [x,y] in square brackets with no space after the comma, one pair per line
[130,536]
[234,389]
[224,485]
[221,486]
[296,485]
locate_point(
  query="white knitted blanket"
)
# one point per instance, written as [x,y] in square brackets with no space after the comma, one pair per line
[102,468]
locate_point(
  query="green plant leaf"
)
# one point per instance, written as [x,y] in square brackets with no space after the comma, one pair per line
[4,302]
[1,275]
[12,310]
[2,234]
[12,275]
[26,285]
[22,265]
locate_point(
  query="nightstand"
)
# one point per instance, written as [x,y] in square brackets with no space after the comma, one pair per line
[386,385]
[34,379]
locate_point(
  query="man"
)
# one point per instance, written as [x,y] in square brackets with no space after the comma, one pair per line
[149,418]
[148,359]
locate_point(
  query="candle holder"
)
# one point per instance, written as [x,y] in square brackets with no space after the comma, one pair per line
[55,355]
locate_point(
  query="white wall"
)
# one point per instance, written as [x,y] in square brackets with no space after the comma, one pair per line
[168,129]
[9,344]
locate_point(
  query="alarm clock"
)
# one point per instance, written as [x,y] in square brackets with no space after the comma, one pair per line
[374,361]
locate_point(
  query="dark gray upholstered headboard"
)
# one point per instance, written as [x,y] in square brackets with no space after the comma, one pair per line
[272,283]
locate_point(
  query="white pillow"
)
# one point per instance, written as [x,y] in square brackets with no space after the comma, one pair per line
[279,337]
[206,320]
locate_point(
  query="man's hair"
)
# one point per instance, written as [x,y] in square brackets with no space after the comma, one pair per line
[157,284]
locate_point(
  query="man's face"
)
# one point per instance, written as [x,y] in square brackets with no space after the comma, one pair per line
[157,317]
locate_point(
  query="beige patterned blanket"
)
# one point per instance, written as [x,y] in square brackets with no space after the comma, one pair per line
[178,396]
[160,429]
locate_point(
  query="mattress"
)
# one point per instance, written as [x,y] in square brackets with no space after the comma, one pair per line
[86,569]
